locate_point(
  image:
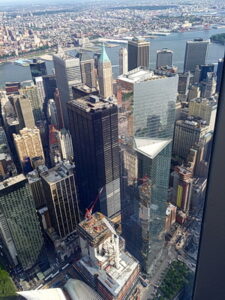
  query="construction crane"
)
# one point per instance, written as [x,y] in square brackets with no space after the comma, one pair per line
[89,210]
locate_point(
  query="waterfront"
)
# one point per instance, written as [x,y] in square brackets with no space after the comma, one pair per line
[174,41]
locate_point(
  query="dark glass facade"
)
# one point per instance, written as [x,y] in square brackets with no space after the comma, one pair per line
[38,68]
[95,140]
[138,54]
[49,82]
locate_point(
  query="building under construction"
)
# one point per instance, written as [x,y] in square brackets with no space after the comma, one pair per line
[105,264]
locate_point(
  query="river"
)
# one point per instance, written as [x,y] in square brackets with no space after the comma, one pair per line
[174,41]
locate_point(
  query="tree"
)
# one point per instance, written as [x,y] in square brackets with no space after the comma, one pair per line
[7,287]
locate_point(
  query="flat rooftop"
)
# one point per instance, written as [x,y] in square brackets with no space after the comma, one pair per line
[140,74]
[84,88]
[57,173]
[92,103]
[33,176]
[11,181]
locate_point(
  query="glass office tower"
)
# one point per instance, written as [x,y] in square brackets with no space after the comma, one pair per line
[147,116]
[19,226]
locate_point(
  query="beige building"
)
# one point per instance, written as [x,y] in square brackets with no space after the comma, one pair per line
[28,144]
[194,92]
[31,92]
[123,61]
[105,75]
[204,109]
[24,111]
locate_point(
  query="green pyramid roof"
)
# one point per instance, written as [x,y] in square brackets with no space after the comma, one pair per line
[104,57]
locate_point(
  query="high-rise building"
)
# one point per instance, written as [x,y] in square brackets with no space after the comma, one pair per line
[219,74]
[182,188]
[88,72]
[20,229]
[38,68]
[164,58]
[66,144]
[31,93]
[49,82]
[37,189]
[28,144]
[208,87]
[12,87]
[109,269]
[123,61]
[195,54]
[59,110]
[138,53]
[105,75]
[61,198]
[194,92]
[40,89]
[171,212]
[54,146]
[183,83]
[204,69]
[205,109]
[52,113]
[94,131]
[147,114]
[7,166]
[186,134]
[67,72]
[24,111]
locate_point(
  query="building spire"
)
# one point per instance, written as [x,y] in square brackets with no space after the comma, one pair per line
[103,57]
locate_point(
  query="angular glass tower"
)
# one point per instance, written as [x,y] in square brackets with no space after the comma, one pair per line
[147,116]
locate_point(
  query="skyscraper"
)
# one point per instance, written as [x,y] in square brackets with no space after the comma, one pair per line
[49,82]
[61,198]
[147,105]
[183,83]
[52,113]
[164,58]
[35,98]
[205,109]
[138,53]
[67,71]
[94,129]
[24,111]
[38,68]
[105,75]
[66,144]
[28,144]
[88,73]
[182,187]
[186,134]
[123,61]
[204,69]
[40,89]
[195,54]
[19,223]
